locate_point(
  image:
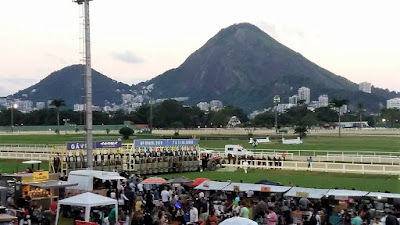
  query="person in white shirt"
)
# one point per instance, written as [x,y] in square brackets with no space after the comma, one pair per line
[250,193]
[140,187]
[165,197]
[201,195]
[194,214]
[245,166]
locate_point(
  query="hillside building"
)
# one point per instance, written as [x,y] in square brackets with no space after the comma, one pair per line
[393,103]
[365,87]
[323,101]
[294,99]
[79,107]
[304,94]
[40,105]
[281,108]
[126,98]
[204,106]
[24,106]
[255,113]
[216,105]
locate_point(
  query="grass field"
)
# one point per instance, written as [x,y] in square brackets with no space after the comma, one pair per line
[13,166]
[346,143]
[304,179]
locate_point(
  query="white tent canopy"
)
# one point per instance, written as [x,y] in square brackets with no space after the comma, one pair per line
[306,192]
[349,193]
[383,195]
[87,200]
[256,187]
[212,185]
[238,220]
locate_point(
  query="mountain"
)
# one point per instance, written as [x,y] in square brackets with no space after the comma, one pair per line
[244,66]
[241,66]
[68,84]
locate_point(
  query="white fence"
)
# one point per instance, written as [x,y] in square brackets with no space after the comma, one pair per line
[9,151]
[322,167]
[369,157]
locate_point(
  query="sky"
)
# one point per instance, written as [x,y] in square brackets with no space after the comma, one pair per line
[134,41]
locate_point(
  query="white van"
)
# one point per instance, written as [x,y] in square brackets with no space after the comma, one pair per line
[86,178]
[237,150]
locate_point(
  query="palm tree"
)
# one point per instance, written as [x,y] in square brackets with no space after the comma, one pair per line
[360,110]
[58,103]
[338,103]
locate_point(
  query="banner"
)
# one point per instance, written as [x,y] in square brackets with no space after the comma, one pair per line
[302,194]
[97,144]
[165,142]
[265,189]
[108,144]
[40,176]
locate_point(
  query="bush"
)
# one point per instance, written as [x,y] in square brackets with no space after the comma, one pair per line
[176,133]
[76,130]
[108,131]
[57,131]
[126,132]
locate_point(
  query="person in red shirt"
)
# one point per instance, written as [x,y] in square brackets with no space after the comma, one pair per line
[53,210]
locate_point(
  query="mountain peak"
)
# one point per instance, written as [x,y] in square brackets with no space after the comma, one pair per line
[68,84]
[244,66]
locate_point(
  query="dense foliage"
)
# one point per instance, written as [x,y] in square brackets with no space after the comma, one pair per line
[173,114]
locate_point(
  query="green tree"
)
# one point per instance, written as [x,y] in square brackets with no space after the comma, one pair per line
[391,116]
[57,103]
[126,132]
[301,131]
[326,114]
[265,119]
[338,103]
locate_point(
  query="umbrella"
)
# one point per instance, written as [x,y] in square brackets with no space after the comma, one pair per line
[198,181]
[179,180]
[267,182]
[154,180]
[238,220]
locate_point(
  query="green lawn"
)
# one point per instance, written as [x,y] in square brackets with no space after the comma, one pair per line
[346,143]
[304,179]
[15,165]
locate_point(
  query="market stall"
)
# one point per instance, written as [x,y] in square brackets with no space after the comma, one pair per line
[39,187]
[256,187]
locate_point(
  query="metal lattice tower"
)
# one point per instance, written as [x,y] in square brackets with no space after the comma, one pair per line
[88,84]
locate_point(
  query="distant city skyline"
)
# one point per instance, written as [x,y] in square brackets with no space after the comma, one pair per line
[136,41]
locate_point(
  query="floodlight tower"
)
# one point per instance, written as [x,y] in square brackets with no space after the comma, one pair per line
[88,86]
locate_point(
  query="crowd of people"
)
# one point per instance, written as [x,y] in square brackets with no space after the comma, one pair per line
[148,204]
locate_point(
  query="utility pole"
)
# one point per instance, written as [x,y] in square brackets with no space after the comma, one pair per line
[151,115]
[277,99]
[88,86]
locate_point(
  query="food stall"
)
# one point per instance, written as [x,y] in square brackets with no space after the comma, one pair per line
[41,186]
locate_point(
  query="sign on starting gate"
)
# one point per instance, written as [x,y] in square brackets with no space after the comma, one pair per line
[165,142]
[97,144]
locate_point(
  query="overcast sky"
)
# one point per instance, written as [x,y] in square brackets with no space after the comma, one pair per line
[134,41]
